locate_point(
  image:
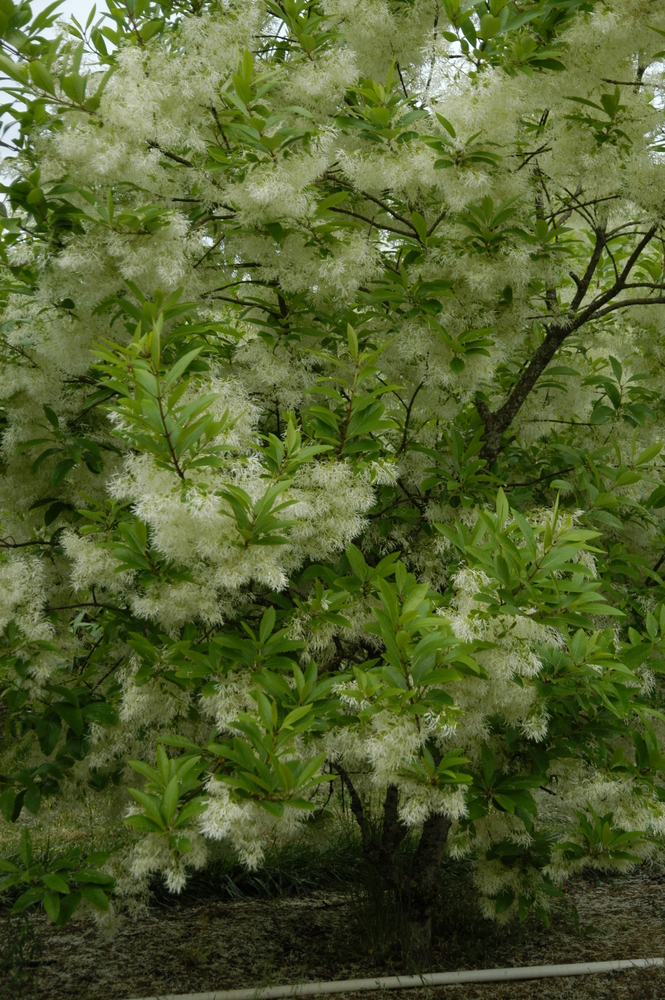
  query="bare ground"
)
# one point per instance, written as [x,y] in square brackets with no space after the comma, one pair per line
[217,945]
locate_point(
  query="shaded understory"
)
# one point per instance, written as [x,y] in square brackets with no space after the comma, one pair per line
[316,915]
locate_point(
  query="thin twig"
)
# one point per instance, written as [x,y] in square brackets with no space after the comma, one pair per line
[21,545]
[171,156]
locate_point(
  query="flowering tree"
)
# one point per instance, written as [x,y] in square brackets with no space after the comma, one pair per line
[332,369]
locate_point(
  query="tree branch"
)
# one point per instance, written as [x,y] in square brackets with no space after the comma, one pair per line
[371,222]
[5,544]
[497,422]
[368,197]
[408,416]
[357,809]
[171,156]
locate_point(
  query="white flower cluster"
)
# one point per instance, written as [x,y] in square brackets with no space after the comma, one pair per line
[367,250]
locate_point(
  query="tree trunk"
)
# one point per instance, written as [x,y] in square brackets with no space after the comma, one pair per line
[421,885]
[393,833]
[416,889]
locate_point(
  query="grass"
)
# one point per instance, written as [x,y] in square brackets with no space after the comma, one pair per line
[290,869]
[20,955]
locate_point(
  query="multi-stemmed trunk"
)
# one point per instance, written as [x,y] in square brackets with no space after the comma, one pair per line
[415,886]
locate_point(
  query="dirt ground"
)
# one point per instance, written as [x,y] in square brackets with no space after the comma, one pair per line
[218,945]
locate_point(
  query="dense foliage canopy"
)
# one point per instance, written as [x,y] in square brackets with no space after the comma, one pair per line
[332,371]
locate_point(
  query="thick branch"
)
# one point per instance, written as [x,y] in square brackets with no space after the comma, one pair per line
[357,809]
[497,421]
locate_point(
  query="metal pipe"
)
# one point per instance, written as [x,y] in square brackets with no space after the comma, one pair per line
[426,979]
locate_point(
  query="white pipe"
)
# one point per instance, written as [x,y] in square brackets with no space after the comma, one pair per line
[427,979]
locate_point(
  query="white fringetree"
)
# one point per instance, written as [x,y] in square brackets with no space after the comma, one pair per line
[332,369]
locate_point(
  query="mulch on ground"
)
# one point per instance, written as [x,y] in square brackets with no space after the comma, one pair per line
[219,944]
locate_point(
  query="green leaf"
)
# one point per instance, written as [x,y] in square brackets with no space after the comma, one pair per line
[69,714]
[56,883]
[7,800]
[504,901]
[95,895]
[68,904]
[446,124]
[151,804]
[28,898]
[92,875]
[489,26]
[15,71]
[50,414]
[52,905]
[61,470]
[420,226]
[170,799]
[138,822]
[267,624]
[649,453]
[352,341]
[488,763]
[102,712]
[42,78]
[179,368]
[469,31]
[189,811]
